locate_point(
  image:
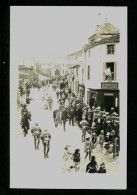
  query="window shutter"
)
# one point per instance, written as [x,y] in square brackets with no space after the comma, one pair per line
[106,50]
[89,72]
[115,71]
[114,49]
[104,68]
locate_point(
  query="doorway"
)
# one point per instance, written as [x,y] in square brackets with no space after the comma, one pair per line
[108,102]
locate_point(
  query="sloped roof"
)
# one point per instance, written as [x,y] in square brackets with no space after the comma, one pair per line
[108,28]
[112,39]
[78,53]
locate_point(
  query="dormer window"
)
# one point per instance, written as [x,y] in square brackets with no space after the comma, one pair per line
[110,49]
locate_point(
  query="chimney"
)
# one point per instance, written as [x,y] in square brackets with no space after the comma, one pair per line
[97,30]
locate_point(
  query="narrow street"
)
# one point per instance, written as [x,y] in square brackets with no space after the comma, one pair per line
[33,159]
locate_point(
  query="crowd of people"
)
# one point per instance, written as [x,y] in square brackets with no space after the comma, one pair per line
[99,128]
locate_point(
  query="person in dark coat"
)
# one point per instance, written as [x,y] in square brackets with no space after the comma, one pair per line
[112,136]
[71,114]
[28,100]
[76,159]
[116,128]
[112,110]
[92,166]
[79,114]
[109,128]
[46,137]
[64,117]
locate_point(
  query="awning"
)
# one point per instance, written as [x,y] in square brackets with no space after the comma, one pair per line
[23,73]
[74,66]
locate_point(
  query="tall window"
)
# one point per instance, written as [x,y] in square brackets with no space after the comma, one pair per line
[110,49]
[110,66]
[89,53]
[88,75]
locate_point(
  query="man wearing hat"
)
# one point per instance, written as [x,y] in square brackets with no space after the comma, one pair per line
[83,125]
[112,110]
[112,136]
[46,137]
[36,132]
[102,168]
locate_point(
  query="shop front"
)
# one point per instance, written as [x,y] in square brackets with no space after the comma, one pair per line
[106,97]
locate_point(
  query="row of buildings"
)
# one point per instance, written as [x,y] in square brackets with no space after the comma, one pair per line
[93,71]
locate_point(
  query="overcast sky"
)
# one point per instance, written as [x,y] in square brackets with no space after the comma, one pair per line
[41,31]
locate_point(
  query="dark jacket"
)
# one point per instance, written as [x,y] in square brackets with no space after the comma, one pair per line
[64,114]
[76,157]
[102,170]
[54,113]
[91,167]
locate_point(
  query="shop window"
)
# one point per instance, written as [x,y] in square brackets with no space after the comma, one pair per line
[88,75]
[110,49]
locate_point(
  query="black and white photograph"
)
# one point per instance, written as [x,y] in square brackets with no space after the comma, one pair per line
[68,97]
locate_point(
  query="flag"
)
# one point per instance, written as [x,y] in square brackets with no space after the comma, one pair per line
[108,72]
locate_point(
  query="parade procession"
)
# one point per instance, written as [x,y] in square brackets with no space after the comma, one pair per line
[68,107]
[56,122]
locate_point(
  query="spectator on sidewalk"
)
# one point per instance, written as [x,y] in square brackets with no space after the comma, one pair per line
[102,168]
[88,148]
[76,159]
[92,166]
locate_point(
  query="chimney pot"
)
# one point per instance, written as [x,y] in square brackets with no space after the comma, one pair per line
[97,29]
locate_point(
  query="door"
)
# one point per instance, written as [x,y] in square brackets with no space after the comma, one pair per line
[108,102]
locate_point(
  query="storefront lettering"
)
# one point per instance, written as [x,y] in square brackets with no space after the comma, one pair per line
[109,85]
